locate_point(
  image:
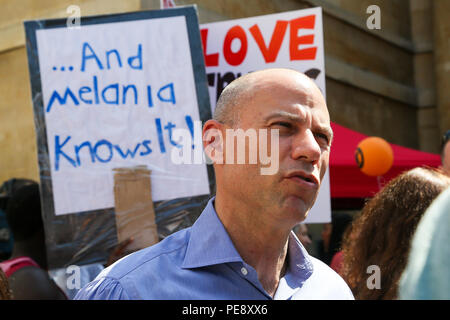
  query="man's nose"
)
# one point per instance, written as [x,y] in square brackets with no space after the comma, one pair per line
[306,147]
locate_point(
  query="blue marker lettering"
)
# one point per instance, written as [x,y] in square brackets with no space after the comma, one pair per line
[124,93]
[160,135]
[128,152]
[137,58]
[85,57]
[61,100]
[169,127]
[149,96]
[190,125]
[172,93]
[91,151]
[82,91]
[108,145]
[94,80]
[114,86]
[119,62]
[59,152]
[147,151]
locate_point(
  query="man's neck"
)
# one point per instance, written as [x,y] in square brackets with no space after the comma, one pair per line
[260,244]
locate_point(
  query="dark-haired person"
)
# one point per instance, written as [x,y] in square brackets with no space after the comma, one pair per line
[380,236]
[5,292]
[26,268]
[445,152]
[332,234]
[6,239]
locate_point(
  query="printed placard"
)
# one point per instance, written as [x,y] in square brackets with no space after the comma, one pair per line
[291,39]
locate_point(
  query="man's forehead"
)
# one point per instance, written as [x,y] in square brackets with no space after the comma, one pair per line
[297,86]
[277,77]
[257,93]
[288,101]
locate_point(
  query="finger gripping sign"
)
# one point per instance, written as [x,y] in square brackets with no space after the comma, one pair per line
[109,95]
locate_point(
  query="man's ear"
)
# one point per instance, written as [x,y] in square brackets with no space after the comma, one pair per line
[213,141]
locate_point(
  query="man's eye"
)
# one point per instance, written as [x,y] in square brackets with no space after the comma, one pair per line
[282,124]
[323,138]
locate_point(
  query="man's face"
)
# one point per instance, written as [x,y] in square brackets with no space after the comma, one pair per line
[295,107]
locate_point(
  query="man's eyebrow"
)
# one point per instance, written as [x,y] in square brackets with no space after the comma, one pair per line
[294,117]
[285,114]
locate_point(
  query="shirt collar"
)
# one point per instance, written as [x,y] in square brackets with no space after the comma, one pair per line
[210,244]
[300,264]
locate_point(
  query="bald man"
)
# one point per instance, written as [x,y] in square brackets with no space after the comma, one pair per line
[242,246]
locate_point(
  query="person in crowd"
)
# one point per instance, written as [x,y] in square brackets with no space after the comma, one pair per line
[26,269]
[375,252]
[426,276]
[23,257]
[6,239]
[445,152]
[336,261]
[5,292]
[302,233]
[332,234]
[242,245]
[324,243]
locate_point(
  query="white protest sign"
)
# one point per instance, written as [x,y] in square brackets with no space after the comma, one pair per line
[285,40]
[113,93]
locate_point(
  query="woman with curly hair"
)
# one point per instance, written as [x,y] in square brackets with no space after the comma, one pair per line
[381,235]
[5,292]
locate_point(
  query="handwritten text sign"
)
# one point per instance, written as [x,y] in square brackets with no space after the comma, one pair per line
[113,93]
[286,40]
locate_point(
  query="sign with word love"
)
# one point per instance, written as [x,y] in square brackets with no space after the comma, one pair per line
[107,95]
[284,40]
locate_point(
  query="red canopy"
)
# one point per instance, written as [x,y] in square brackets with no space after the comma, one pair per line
[347,181]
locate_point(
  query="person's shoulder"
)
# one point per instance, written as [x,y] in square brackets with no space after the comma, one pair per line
[336,287]
[171,248]
[34,283]
[30,274]
[122,279]
[130,276]
[325,271]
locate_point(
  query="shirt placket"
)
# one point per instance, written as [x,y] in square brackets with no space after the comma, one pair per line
[248,273]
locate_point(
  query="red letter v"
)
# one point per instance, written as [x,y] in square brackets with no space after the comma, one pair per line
[270,53]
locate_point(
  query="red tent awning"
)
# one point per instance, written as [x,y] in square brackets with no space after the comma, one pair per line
[347,181]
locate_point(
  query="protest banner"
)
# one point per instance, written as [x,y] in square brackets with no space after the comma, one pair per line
[107,95]
[284,40]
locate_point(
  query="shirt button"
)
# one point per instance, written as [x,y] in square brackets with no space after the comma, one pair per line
[244,271]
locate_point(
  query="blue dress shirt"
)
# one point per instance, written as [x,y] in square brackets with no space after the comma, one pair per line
[202,263]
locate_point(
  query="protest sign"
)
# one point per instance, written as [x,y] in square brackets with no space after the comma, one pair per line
[109,94]
[284,40]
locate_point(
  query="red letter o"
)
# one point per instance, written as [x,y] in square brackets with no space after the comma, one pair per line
[235,58]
